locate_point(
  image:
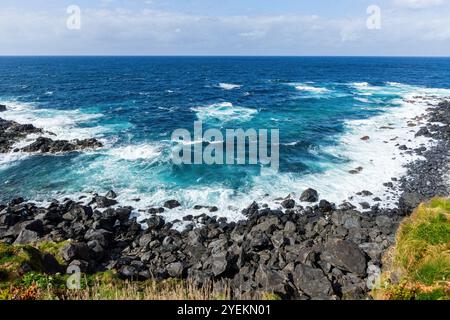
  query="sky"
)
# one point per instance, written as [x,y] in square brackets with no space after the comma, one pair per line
[226,27]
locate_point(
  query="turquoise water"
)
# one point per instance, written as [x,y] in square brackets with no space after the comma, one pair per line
[322,106]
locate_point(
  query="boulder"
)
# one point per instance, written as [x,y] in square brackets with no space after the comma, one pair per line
[104,237]
[273,281]
[175,269]
[345,255]
[104,202]
[409,201]
[171,204]
[72,251]
[288,203]
[128,272]
[2,107]
[312,282]
[251,210]
[309,195]
[111,194]
[26,236]
[325,206]
[156,222]
[34,225]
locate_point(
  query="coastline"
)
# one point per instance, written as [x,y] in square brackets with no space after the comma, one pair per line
[320,251]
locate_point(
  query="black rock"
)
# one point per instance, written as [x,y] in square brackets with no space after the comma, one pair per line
[288,203]
[365,193]
[16,201]
[409,201]
[422,132]
[2,107]
[270,280]
[111,194]
[34,225]
[175,269]
[104,202]
[72,251]
[312,282]
[128,272]
[156,222]
[171,204]
[309,195]
[251,209]
[104,237]
[26,236]
[325,206]
[345,255]
[365,205]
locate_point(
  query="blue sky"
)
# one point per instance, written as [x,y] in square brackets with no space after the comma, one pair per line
[227,27]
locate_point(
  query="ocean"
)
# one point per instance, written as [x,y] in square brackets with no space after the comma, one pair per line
[321,106]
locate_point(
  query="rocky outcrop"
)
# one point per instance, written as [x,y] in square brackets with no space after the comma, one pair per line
[12,132]
[47,145]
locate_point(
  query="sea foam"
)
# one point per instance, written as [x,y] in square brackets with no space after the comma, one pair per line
[229,86]
[224,112]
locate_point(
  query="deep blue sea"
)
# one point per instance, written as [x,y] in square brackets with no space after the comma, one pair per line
[321,106]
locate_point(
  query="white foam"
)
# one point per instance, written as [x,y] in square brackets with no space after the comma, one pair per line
[364,100]
[56,124]
[379,156]
[63,123]
[149,152]
[224,111]
[311,89]
[229,86]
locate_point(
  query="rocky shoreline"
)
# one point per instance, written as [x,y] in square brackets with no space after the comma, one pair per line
[321,251]
[12,132]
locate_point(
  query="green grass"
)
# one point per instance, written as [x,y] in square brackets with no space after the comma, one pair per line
[418,266]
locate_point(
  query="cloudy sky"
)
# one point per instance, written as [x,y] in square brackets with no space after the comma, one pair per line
[225,27]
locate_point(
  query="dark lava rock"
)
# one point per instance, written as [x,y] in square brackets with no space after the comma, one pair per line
[365,205]
[309,195]
[111,194]
[422,132]
[251,210]
[2,107]
[26,236]
[345,255]
[156,222]
[73,251]
[175,269]
[312,282]
[325,206]
[270,280]
[409,201]
[288,203]
[45,145]
[171,204]
[104,202]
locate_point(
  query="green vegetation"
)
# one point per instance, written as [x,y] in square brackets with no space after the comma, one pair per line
[23,277]
[418,266]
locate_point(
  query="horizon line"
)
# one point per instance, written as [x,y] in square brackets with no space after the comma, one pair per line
[221,56]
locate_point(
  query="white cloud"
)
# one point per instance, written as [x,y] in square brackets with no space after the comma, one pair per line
[418,4]
[121,31]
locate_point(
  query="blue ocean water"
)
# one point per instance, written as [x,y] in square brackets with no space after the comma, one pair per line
[321,106]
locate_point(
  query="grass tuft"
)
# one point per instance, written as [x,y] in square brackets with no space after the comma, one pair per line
[418,266]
